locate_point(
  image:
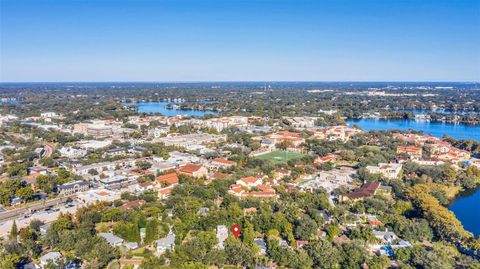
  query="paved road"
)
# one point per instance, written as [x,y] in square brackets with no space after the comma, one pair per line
[13,213]
[45,217]
[49,147]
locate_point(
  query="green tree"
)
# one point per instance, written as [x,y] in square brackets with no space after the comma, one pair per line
[25,193]
[379,262]
[324,254]
[306,228]
[353,255]
[5,196]
[152,231]
[14,231]
[248,234]
[237,253]
[284,144]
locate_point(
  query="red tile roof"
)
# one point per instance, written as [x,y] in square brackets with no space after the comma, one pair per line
[219,175]
[223,161]
[287,133]
[368,189]
[190,168]
[249,179]
[170,178]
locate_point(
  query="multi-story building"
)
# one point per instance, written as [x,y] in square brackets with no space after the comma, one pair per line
[412,151]
[73,187]
[193,170]
[388,170]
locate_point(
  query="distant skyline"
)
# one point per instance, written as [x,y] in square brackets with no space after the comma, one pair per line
[233,40]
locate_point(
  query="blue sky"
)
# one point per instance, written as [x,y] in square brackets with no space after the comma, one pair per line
[228,40]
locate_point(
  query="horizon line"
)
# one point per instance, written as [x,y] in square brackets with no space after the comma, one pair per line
[248,81]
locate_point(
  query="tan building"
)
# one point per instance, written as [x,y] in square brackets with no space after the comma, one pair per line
[193,170]
[412,151]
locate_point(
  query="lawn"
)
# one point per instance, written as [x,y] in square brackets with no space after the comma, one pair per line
[281,156]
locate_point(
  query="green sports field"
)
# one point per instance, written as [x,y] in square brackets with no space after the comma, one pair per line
[281,156]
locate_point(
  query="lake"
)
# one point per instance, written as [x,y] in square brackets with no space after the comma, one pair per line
[442,111]
[161,107]
[438,129]
[466,208]
[468,203]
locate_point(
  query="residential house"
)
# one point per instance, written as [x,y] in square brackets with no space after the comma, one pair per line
[166,184]
[412,151]
[53,256]
[385,236]
[131,245]
[261,244]
[281,173]
[112,239]
[166,243]
[329,158]
[249,181]
[258,191]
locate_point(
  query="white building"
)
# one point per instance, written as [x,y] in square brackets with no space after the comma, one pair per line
[70,152]
[94,144]
[330,180]
[104,167]
[48,115]
[388,170]
[190,140]
[101,195]
[301,122]
[158,132]
[222,234]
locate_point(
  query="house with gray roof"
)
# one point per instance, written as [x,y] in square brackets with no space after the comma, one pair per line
[261,244]
[112,239]
[165,243]
[131,245]
[53,256]
[385,236]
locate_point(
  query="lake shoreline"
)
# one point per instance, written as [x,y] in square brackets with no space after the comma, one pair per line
[461,206]
[457,131]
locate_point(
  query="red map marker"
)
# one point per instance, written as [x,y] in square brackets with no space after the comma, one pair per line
[235,229]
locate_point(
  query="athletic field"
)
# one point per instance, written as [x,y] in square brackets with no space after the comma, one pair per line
[281,156]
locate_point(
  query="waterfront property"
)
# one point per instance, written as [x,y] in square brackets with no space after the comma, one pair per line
[458,131]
